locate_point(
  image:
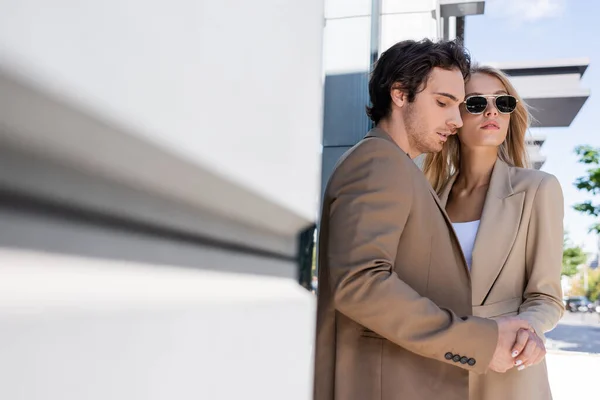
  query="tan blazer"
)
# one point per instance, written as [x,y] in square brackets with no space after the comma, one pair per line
[516,268]
[394,299]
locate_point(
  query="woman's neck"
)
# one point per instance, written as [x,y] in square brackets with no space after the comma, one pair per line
[476,167]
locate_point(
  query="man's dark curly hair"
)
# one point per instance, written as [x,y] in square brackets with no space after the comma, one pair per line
[409,63]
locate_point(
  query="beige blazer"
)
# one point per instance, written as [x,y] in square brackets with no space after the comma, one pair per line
[516,266]
[394,302]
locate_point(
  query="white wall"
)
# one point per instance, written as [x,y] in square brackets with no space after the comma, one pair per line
[347,36]
[347,8]
[404,20]
[404,26]
[402,6]
[232,86]
[348,29]
[73,329]
[203,111]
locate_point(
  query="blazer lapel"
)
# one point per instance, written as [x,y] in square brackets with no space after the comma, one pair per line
[442,206]
[377,132]
[444,194]
[443,210]
[380,133]
[497,231]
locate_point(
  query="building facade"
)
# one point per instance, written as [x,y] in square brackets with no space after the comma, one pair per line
[357,31]
[553,91]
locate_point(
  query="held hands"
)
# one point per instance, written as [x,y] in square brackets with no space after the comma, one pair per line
[528,349]
[518,345]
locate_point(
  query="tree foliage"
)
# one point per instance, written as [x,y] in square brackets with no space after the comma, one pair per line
[573,257]
[593,292]
[590,182]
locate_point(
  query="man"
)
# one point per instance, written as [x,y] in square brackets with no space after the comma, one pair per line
[394,305]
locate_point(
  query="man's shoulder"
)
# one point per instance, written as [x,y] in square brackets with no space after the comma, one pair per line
[371,149]
[375,159]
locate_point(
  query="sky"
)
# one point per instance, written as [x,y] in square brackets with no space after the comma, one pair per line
[538,30]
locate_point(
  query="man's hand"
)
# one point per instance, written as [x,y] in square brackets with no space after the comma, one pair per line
[508,327]
[528,349]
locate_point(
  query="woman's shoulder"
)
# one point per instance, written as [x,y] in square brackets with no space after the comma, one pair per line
[530,180]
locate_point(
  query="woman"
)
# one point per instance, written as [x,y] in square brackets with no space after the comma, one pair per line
[508,221]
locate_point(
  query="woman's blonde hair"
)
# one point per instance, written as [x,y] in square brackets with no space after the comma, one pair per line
[439,167]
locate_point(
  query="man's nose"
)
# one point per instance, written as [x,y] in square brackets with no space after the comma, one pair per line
[455,121]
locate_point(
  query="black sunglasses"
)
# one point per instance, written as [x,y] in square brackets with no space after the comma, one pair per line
[504,103]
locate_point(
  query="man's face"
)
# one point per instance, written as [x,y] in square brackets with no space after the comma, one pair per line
[434,115]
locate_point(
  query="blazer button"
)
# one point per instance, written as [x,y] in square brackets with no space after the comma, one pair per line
[464,360]
[471,361]
[449,356]
[456,358]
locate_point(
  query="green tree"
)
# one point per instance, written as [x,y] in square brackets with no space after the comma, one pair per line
[573,256]
[593,292]
[590,183]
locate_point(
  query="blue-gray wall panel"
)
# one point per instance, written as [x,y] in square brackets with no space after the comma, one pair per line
[345,121]
[330,156]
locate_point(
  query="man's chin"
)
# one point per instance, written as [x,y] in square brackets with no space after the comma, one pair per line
[435,148]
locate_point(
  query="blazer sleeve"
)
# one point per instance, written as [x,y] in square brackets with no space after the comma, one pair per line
[370,202]
[542,305]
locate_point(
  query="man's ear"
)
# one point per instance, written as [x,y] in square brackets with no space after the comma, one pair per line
[398,95]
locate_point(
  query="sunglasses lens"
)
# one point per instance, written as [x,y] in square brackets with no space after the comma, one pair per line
[506,104]
[476,104]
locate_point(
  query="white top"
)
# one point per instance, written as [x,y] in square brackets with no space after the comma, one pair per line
[466,232]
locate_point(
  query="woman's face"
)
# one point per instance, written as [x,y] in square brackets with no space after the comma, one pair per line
[490,127]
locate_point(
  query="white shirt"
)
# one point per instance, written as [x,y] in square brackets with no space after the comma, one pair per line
[466,232]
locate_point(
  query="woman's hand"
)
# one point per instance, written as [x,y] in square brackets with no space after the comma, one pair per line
[528,349]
